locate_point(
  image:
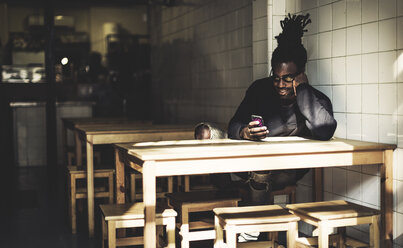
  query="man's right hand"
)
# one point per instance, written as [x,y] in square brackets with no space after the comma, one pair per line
[254,132]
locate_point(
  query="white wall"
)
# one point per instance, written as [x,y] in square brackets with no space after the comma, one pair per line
[355,58]
[201,60]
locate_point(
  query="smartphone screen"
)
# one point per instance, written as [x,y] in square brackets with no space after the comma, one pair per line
[257,118]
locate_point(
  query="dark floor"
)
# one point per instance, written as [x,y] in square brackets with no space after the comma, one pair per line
[34,219]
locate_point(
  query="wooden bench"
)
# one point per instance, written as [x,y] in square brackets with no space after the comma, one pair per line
[136,194]
[75,193]
[331,214]
[190,202]
[131,215]
[269,218]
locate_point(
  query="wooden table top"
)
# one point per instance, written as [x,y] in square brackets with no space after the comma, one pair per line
[94,121]
[132,128]
[198,149]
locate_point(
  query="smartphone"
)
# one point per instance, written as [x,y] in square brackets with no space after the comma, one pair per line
[257,118]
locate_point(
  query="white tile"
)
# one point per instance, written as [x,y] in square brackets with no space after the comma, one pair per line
[353,40]
[388,129]
[370,128]
[339,70]
[400,134]
[387,67]
[399,234]
[354,98]
[341,125]
[260,52]
[387,9]
[370,37]
[325,45]
[328,179]
[387,99]
[298,5]
[279,7]
[339,14]
[400,98]
[354,126]
[353,69]
[325,18]
[312,72]
[312,47]
[399,8]
[313,26]
[308,4]
[400,32]
[324,2]
[370,98]
[369,10]
[339,98]
[370,189]
[387,39]
[354,185]
[327,90]
[325,71]
[276,25]
[353,12]
[399,194]
[327,196]
[370,68]
[340,181]
[339,43]
[395,201]
[259,8]
[399,71]
[290,6]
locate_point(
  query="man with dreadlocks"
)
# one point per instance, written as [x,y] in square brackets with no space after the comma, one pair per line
[289,107]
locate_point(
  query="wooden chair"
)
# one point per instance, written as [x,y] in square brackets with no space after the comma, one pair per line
[331,214]
[130,215]
[76,193]
[268,218]
[190,202]
[136,194]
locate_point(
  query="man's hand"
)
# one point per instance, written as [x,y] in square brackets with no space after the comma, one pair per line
[299,79]
[254,132]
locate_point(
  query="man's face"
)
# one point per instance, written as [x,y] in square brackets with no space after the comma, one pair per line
[283,77]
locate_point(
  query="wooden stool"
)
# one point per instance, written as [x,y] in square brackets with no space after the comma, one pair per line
[72,155]
[340,214]
[75,193]
[269,218]
[132,215]
[189,202]
[137,194]
[203,187]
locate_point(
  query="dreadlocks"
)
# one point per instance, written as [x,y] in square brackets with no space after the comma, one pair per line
[290,48]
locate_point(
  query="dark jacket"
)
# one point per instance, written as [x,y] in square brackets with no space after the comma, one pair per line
[311,115]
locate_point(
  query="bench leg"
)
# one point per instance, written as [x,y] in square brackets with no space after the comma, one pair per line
[292,234]
[323,237]
[73,204]
[170,184]
[231,237]
[219,238]
[374,232]
[104,232]
[110,184]
[342,237]
[133,187]
[185,227]
[187,183]
[111,234]
[171,232]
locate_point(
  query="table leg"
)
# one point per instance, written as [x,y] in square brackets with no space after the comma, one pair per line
[387,199]
[90,188]
[317,189]
[64,144]
[120,177]
[79,153]
[149,196]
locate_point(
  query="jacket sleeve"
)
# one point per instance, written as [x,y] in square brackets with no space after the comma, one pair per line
[242,115]
[317,110]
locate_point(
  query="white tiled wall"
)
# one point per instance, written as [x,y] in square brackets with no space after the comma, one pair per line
[359,66]
[202,59]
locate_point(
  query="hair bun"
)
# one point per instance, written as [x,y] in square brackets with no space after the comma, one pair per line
[293,29]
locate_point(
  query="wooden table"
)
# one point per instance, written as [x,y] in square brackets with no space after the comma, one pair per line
[223,156]
[74,122]
[121,133]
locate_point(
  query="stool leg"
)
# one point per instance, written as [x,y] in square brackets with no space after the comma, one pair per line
[342,237]
[185,227]
[374,232]
[73,205]
[104,231]
[323,237]
[111,234]
[110,184]
[133,187]
[231,237]
[171,232]
[187,183]
[219,238]
[292,234]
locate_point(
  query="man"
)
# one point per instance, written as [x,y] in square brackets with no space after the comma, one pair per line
[288,105]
